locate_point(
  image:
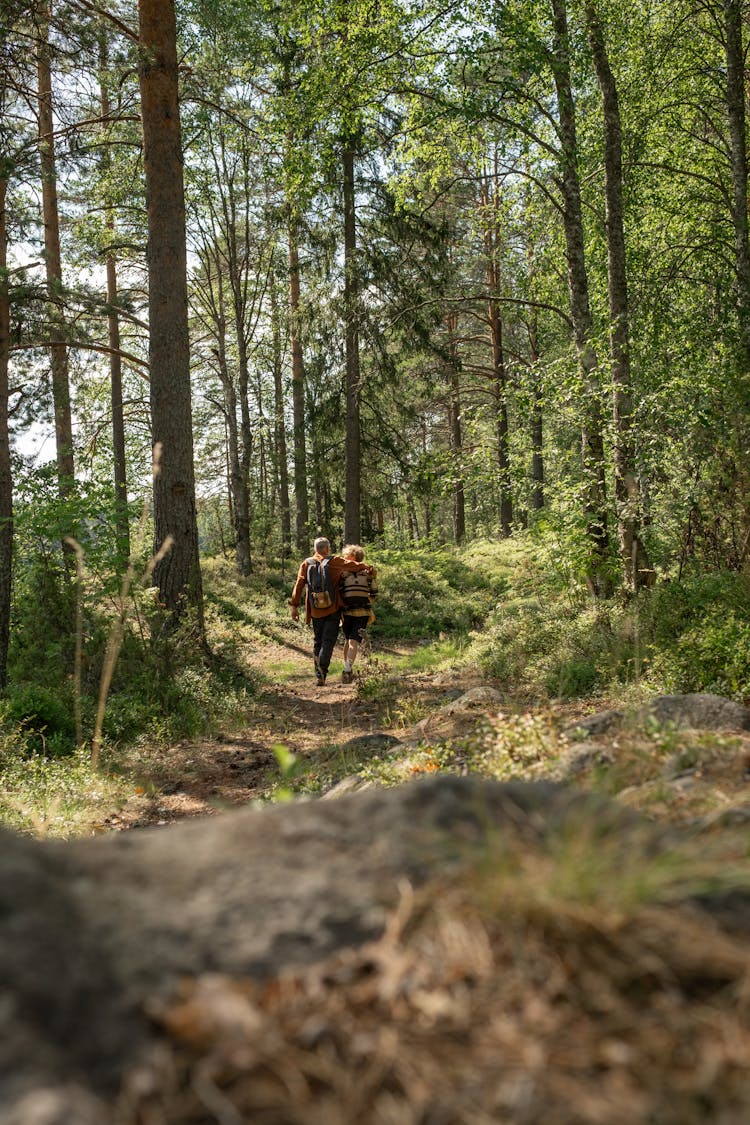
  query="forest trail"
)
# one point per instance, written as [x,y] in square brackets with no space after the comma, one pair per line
[200,777]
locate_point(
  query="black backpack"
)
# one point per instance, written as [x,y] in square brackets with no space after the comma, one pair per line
[355,589]
[319,584]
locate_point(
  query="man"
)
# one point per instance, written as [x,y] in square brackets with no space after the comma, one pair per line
[320,577]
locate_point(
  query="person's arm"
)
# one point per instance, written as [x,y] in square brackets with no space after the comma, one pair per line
[299,586]
[353,565]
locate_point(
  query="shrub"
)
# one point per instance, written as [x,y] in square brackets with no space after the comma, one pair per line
[688,636]
[44,720]
[425,592]
[713,655]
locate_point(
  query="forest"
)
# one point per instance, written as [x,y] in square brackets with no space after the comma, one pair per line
[464,284]
[411,274]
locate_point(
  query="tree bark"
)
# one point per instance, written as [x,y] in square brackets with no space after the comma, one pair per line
[239,503]
[352,450]
[177,574]
[499,383]
[298,394]
[627,486]
[243,437]
[455,434]
[592,441]
[736,113]
[281,449]
[53,261]
[6,476]
[489,197]
[537,422]
[122,527]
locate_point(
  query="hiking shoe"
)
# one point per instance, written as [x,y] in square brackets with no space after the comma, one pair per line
[347,677]
[320,676]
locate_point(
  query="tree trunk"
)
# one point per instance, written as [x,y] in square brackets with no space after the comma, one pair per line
[238,478]
[239,504]
[53,261]
[241,468]
[501,416]
[537,422]
[298,394]
[352,518]
[177,574]
[489,192]
[281,450]
[627,491]
[122,528]
[455,435]
[6,476]
[733,16]
[592,442]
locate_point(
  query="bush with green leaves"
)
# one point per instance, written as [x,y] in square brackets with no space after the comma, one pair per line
[677,637]
[695,634]
[424,592]
[554,648]
[53,796]
[44,720]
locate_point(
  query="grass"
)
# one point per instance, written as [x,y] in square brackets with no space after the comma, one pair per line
[61,797]
[491,608]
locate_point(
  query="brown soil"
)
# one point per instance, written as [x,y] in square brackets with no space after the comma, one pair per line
[208,775]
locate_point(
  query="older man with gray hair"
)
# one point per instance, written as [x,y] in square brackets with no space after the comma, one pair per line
[320,577]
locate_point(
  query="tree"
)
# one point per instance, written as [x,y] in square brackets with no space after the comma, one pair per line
[113,322]
[177,573]
[592,442]
[53,258]
[627,485]
[6,477]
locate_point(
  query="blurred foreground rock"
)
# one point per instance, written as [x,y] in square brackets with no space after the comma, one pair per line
[94,932]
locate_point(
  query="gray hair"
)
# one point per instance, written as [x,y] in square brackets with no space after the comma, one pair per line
[321,544]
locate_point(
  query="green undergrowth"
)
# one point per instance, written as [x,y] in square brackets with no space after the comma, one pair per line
[55,796]
[496,607]
[686,636]
[431,592]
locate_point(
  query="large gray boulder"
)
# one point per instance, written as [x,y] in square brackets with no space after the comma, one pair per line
[698,711]
[93,931]
[690,711]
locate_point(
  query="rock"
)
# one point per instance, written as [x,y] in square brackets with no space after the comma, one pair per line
[351,784]
[94,931]
[477,698]
[451,695]
[698,711]
[578,758]
[371,743]
[593,725]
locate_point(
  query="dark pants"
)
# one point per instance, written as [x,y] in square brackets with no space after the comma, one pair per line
[325,634]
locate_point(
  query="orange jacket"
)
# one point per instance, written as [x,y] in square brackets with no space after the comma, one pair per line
[336,567]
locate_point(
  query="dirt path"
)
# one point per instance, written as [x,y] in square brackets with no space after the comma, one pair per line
[205,776]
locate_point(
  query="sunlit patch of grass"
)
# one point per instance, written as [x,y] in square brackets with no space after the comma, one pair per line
[429,656]
[281,669]
[407,711]
[60,797]
[505,746]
